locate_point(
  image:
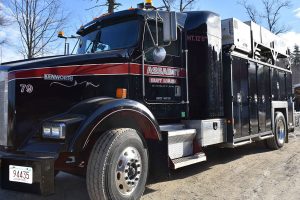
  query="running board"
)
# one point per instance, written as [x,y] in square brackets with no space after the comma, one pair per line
[242,143]
[190,160]
[263,137]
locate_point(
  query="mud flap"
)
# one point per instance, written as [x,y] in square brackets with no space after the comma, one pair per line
[42,174]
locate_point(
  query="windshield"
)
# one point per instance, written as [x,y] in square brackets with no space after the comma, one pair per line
[116,36]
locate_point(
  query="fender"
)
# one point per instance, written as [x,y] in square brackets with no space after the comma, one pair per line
[102,114]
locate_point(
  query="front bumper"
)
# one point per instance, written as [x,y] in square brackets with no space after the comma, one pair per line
[43,172]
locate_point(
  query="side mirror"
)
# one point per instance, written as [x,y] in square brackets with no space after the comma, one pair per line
[159,55]
[170,27]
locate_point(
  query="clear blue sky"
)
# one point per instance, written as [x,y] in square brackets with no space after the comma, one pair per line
[78,14]
[226,8]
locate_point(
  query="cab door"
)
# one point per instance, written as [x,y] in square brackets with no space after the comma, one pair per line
[165,81]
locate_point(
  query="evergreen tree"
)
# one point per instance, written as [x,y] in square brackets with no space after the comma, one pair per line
[296,65]
[296,57]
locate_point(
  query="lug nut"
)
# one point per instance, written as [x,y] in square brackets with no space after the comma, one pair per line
[126,178]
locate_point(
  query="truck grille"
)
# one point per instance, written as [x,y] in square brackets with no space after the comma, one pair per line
[3,108]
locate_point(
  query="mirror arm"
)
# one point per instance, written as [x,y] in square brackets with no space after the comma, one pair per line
[149,30]
[156,26]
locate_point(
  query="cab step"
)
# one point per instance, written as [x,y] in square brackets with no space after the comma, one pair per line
[170,127]
[181,145]
[190,160]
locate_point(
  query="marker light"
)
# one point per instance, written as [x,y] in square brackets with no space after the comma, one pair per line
[54,130]
[148,2]
[61,34]
[121,93]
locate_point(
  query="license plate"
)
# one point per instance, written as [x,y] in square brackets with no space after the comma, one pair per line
[20,174]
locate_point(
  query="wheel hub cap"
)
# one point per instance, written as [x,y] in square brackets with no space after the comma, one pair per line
[280,132]
[128,171]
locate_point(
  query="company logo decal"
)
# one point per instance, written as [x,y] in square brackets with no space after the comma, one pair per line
[54,77]
[163,80]
[163,71]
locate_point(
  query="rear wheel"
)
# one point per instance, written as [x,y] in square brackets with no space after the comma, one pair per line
[280,133]
[118,166]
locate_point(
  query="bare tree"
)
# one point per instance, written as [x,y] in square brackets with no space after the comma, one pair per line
[180,5]
[110,4]
[270,13]
[39,22]
[3,22]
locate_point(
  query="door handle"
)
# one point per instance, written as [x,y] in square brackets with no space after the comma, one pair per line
[255,98]
[263,98]
[239,98]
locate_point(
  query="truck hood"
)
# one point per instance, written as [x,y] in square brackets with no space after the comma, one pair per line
[103,57]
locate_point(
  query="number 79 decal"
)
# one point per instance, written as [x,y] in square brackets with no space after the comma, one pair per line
[26,88]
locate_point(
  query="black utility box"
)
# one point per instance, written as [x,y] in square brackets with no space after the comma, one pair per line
[38,173]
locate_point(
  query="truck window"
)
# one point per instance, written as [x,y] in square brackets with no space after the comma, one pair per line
[173,49]
[116,36]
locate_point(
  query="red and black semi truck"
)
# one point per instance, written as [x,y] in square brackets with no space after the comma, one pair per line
[147,92]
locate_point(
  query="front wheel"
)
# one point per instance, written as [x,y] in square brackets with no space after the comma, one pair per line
[118,166]
[280,132]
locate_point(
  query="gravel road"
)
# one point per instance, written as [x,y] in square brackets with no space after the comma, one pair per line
[249,172]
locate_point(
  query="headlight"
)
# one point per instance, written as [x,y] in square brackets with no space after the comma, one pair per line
[54,130]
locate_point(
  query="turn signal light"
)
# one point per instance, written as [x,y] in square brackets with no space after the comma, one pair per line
[121,93]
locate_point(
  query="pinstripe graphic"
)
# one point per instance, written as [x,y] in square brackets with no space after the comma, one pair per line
[95,69]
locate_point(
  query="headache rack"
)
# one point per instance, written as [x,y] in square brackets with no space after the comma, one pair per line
[255,41]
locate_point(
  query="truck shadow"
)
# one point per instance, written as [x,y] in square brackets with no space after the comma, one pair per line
[69,187]
[215,156]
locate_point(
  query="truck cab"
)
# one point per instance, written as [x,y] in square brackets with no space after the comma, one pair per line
[147,92]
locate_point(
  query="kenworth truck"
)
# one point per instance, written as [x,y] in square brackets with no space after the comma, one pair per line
[146,93]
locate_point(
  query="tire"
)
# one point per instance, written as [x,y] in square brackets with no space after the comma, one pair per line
[280,133]
[118,166]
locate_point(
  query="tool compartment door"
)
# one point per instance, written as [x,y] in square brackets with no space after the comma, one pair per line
[264,106]
[253,98]
[240,97]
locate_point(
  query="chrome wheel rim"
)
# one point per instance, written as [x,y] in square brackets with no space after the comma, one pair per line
[280,132]
[128,171]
